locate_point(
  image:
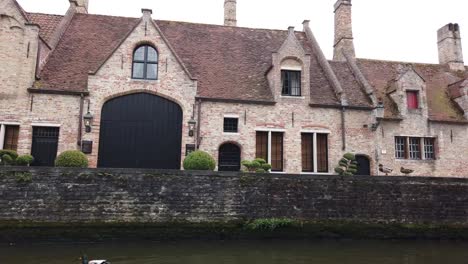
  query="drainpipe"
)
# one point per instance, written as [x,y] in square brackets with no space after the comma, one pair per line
[198,138]
[80,121]
[343,126]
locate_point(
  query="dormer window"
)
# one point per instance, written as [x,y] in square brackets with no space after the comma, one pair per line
[412,99]
[291,81]
[145,63]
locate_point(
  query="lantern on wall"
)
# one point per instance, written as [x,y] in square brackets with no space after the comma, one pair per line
[191,125]
[88,121]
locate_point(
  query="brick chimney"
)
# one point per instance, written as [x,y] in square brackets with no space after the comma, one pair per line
[230,17]
[81,6]
[450,47]
[343,30]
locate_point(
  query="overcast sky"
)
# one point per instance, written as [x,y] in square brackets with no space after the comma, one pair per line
[403,30]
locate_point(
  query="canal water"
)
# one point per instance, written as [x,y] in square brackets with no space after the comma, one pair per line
[244,252]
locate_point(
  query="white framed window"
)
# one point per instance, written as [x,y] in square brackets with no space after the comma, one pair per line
[9,135]
[269,146]
[314,152]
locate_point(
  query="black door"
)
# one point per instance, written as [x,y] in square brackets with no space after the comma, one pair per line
[229,157]
[44,146]
[140,131]
[363,165]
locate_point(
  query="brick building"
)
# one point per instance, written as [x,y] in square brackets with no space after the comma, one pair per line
[139,92]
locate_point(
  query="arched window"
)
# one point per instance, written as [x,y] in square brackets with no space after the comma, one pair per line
[145,63]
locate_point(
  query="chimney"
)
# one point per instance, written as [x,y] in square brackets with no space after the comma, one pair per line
[230,13]
[147,13]
[81,6]
[343,31]
[450,47]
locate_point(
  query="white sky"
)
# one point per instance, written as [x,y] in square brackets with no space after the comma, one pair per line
[403,30]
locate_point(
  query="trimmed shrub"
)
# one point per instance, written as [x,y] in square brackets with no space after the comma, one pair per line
[199,160]
[24,160]
[347,166]
[72,158]
[256,165]
[8,157]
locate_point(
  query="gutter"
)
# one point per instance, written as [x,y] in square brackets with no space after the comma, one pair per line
[61,92]
[234,101]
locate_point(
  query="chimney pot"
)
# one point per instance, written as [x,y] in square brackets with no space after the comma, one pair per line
[146,13]
[230,13]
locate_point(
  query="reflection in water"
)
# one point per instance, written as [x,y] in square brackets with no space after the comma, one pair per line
[244,252]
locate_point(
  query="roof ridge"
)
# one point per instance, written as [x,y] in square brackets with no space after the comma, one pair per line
[402,62]
[39,13]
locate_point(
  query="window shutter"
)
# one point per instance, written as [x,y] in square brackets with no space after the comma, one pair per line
[322,153]
[307,152]
[11,138]
[277,151]
[262,146]
[412,99]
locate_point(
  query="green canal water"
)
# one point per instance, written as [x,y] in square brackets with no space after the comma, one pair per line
[244,252]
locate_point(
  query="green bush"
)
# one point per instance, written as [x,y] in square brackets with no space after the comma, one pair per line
[199,160]
[256,165]
[24,160]
[8,157]
[72,158]
[347,166]
[270,224]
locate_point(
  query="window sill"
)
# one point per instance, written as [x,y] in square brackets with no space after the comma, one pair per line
[417,160]
[278,172]
[231,133]
[143,80]
[318,173]
[292,97]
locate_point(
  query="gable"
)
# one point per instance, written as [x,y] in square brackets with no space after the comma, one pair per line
[87,42]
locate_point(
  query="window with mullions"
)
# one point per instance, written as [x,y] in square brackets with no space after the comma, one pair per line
[314,152]
[429,148]
[274,155]
[415,148]
[291,81]
[231,125]
[145,63]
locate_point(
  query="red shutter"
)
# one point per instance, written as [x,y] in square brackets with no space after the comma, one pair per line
[412,99]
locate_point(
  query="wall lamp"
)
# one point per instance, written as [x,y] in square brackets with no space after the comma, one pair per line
[88,119]
[379,114]
[192,123]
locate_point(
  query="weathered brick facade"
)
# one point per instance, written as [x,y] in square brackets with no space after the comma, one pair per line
[52,72]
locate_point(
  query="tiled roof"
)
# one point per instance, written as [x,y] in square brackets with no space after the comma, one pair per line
[438,77]
[231,63]
[86,43]
[47,22]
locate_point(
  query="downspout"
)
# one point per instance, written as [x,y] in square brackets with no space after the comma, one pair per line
[80,121]
[198,138]
[343,127]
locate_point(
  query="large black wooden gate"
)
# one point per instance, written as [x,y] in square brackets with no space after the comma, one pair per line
[44,145]
[140,131]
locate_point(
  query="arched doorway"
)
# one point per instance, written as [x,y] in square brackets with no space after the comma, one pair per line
[229,158]
[140,131]
[363,165]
